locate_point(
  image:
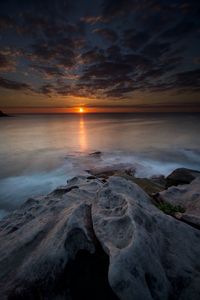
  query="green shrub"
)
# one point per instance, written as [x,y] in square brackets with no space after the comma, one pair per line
[170,209]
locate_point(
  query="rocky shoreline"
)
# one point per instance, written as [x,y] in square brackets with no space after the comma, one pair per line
[108,235]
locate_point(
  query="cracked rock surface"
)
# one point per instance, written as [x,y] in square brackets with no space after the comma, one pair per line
[97,239]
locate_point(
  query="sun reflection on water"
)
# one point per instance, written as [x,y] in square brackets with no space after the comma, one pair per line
[82,135]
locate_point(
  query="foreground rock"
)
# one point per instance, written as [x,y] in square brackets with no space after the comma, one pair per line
[97,239]
[186,196]
[181,176]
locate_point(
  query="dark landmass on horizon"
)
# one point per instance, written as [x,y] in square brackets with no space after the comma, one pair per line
[2,114]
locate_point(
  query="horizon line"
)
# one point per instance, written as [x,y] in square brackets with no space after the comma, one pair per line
[96,110]
[98,113]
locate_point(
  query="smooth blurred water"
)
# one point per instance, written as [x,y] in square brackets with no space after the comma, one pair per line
[40,152]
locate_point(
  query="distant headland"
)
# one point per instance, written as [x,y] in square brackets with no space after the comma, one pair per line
[2,114]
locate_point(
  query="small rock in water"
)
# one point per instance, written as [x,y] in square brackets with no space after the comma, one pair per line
[96,154]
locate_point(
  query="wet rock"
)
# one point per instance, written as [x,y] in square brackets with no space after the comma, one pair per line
[107,171]
[181,176]
[96,154]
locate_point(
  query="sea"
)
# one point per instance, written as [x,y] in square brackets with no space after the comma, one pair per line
[40,152]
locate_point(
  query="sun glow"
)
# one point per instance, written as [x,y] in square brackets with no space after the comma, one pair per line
[81,110]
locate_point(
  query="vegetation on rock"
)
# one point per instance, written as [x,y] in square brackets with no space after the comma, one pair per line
[170,209]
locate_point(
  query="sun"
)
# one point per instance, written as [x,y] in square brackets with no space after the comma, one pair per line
[81,110]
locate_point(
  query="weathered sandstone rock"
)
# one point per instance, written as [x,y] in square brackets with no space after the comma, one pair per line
[97,239]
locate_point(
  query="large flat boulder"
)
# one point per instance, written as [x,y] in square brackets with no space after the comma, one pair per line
[97,239]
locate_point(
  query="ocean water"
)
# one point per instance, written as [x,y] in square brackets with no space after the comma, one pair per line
[40,152]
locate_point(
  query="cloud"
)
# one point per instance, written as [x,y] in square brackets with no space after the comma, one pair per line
[94,55]
[14,85]
[180,30]
[156,49]
[59,52]
[189,81]
[49,27]
[7,63]
[93,19]
[107,34]
[135,39]
[6,23]
[142,46]
[48,71]
[180,82]
[112,8]
[46,89]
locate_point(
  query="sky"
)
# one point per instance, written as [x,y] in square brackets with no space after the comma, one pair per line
[102,55]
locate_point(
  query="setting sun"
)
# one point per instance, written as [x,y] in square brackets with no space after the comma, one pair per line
[81,110]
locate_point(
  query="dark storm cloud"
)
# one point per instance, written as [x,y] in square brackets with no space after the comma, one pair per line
[94,19]
[6,64]
[37,26]
[112,8]
[6,22]
[109,48]
[180,82]
[9,59]
[180,30]
[93,56]
[58,51]
[107,70]
[107,33]
[44,25]
[13,85]
[188,80]
[156,49]
[114,52]
[46,89]
[52,8]
[115,8]
[49,70]
[135,40]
